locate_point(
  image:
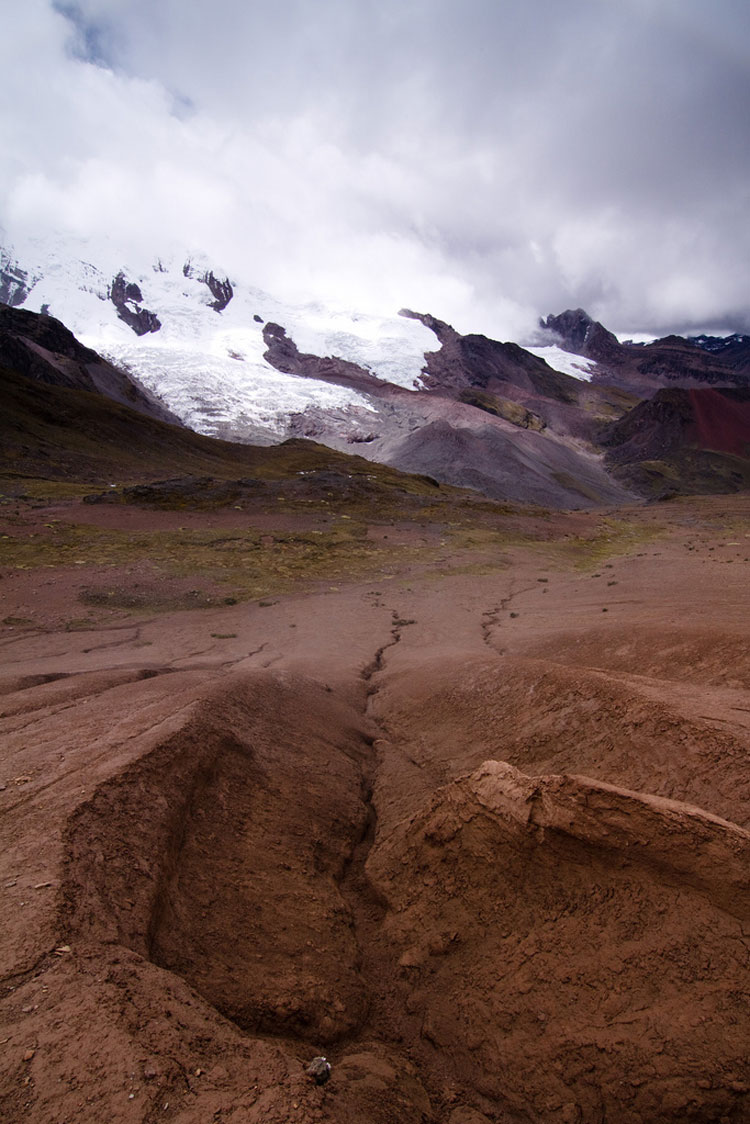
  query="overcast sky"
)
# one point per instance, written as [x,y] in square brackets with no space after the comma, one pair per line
[487,160]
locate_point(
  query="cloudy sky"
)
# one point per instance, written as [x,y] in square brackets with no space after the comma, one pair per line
[487,160]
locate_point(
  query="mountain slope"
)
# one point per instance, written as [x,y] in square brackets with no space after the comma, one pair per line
[683,441]
[504,451]
[410,391]
[64,434]
[194,336]
[642,368]
[42,348]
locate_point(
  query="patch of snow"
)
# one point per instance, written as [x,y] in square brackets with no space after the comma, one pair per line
[565,361]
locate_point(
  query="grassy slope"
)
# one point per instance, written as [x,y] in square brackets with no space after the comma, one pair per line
[73,436]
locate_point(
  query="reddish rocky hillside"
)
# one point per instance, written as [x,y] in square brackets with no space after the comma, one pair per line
[683,441]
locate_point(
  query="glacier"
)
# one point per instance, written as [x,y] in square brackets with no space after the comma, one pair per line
[208,366]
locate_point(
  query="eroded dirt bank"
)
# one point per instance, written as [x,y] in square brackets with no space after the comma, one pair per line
[481,838]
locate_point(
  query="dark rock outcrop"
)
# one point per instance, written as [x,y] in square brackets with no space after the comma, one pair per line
[127,298]
[444,332]
[579,333]
[642,368]
[221,291]
[517,385]
[14,283]
[733,350]
[284,355]
[485,364]
[42,348]
[195,492]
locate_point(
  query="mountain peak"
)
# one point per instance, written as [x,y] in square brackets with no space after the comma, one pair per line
[580,333]
[444,332]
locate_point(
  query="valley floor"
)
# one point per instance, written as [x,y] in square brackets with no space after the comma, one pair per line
[472,824]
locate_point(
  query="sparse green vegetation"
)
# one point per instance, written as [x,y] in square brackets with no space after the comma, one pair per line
[505,408]
[687,472]
[13,488]
[196,567]
[611,538]
[52,456]
[237,560]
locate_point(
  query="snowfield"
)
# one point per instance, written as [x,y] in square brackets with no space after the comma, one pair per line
[565,362]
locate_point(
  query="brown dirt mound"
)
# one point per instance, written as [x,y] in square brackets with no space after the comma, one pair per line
[542,717]
[548,929]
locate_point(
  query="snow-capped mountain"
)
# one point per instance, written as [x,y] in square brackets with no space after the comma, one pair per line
[229,360]
[194,336]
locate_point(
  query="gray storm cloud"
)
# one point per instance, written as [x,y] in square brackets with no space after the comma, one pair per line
[490,162]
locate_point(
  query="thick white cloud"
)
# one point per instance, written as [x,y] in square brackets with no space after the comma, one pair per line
[490,162]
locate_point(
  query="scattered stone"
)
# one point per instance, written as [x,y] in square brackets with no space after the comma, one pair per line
[320,1070]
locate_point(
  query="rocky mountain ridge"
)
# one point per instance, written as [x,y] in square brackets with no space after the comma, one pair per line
[643,368]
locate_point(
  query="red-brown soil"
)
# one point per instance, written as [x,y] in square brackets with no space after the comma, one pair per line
[722,424]
[474,829]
